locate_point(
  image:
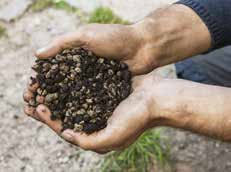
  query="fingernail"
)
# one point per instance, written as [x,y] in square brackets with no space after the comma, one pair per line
[42,109]
[41,50]
[67,136]
[32,81]
[40,99]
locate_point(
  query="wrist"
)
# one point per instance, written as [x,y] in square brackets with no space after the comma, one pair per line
[166,104]
[172,34]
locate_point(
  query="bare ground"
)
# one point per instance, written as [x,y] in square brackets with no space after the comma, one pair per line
[26,145]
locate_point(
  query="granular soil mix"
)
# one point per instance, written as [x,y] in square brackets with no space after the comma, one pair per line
[81,89]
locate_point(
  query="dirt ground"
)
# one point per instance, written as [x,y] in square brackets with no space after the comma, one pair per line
[28,146]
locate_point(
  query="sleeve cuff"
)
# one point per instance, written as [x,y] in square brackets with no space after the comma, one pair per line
[215,29]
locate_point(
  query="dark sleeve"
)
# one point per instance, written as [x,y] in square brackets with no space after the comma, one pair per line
[216,14]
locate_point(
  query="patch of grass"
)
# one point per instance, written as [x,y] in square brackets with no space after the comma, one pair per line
[148,150]
[62,4]
[40,5]
[105,15]
[99,15]
[2,31]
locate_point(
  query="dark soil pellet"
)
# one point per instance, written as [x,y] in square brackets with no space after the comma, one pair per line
[81,89]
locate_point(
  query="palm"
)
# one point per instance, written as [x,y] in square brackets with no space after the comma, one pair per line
[128,121]
[130,118]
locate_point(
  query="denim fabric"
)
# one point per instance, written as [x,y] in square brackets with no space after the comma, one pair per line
[190,70]
[212,68]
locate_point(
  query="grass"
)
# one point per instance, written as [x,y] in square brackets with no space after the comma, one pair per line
[40,5]
[147,151]
[105,15]
[99,15]
[2,31]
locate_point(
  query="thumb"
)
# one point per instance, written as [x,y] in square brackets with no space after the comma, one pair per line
[60,43]
[44,115]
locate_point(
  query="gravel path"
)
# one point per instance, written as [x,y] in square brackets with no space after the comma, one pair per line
[29,146]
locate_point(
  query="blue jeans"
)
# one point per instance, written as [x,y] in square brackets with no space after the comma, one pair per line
[213,68]
[190,70]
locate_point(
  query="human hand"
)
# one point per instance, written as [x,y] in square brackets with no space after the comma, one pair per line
[161,38]
[121,42]
[130,119]
[154,102]
[143,50]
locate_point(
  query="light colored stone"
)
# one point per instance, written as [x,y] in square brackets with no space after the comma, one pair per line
[11,9]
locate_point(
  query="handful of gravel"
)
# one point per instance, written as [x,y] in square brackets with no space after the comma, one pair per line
[81,89]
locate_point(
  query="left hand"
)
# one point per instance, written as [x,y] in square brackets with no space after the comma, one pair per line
[129,120]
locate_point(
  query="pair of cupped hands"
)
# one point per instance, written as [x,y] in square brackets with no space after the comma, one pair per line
[136,113]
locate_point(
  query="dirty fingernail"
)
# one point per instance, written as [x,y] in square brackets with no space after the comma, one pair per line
[41,109]
[42,50]
[40,99]
[32,81]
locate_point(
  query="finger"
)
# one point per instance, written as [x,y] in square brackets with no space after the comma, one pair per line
[40,99]
[96,141]
[32,85]
[30,111]
[123,146]
[44,115]
[27,95]
[129,142]
[60,43]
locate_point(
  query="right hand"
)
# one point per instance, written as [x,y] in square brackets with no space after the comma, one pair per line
[160,39]
[121,42]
